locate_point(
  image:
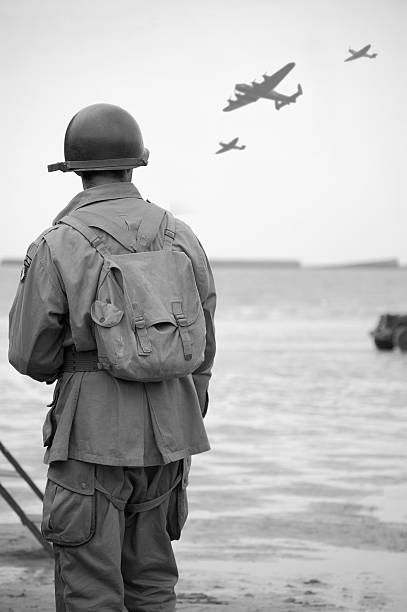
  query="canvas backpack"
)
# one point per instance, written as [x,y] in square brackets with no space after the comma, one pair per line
[147,315]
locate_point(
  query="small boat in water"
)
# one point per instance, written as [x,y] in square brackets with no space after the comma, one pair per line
[390,332]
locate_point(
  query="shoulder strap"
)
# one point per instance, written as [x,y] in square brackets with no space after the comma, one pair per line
[151,220]
[90,235]
[91,219]
[169,232]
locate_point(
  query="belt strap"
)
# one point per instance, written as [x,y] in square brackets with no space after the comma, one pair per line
[133,509]
[118,503]
[80,361]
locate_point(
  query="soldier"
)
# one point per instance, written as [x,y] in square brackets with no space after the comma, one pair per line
[118,448]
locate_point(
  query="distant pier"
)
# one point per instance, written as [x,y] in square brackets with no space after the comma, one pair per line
[256,263]
[378,263]
[11,261]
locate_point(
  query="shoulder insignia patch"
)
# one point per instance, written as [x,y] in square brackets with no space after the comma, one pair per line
[32,249]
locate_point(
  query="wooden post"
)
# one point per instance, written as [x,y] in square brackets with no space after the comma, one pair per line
[21,471]
[26,521]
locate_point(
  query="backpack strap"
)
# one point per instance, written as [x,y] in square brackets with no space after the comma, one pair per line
[169,232]
[152,217]
[87,232]
[112,228]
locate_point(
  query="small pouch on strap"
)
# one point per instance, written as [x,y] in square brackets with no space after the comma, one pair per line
[140,329]
[182,323]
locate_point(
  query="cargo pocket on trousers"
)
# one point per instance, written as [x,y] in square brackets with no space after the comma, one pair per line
[178,505]
[69,508]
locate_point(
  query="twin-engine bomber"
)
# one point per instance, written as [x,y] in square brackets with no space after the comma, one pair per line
[246,94]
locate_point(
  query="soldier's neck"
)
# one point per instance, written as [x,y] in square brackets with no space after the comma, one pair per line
[94,179]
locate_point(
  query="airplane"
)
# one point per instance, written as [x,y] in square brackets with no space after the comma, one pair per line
[228,146]
[361,53]
[246,94]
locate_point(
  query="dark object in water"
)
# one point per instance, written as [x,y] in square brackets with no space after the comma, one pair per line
[390,332]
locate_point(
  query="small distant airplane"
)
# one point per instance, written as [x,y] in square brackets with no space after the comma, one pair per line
[361,53]
[246,94]
[228,146]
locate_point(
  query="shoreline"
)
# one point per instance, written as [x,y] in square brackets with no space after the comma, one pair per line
[230,564]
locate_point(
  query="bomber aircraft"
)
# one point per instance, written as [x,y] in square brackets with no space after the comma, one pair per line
[246,94]
[361,53]
[228,146]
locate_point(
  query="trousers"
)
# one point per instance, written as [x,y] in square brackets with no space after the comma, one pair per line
[111,528]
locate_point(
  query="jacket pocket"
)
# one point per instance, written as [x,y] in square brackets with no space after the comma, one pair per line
[69,508]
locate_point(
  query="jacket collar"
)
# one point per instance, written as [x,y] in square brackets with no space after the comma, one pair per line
[101,193]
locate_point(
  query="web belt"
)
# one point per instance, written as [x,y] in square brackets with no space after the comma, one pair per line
[80,361]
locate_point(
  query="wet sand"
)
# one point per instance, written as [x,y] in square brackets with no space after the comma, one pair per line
[281,564]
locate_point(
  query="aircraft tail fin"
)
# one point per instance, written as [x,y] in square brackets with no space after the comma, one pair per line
[289,100]
[373,55]
[299,92]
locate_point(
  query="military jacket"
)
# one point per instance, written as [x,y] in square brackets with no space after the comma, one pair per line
[95,417]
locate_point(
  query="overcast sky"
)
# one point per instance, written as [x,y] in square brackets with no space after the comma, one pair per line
[321,180]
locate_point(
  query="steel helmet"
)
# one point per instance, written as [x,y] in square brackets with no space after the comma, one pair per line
[102,137]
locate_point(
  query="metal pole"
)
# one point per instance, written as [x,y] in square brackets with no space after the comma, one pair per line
[21,471]
[26,521]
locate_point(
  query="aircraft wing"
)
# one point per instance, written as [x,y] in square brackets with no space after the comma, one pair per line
[242,100]
[222,150]
[276,78]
